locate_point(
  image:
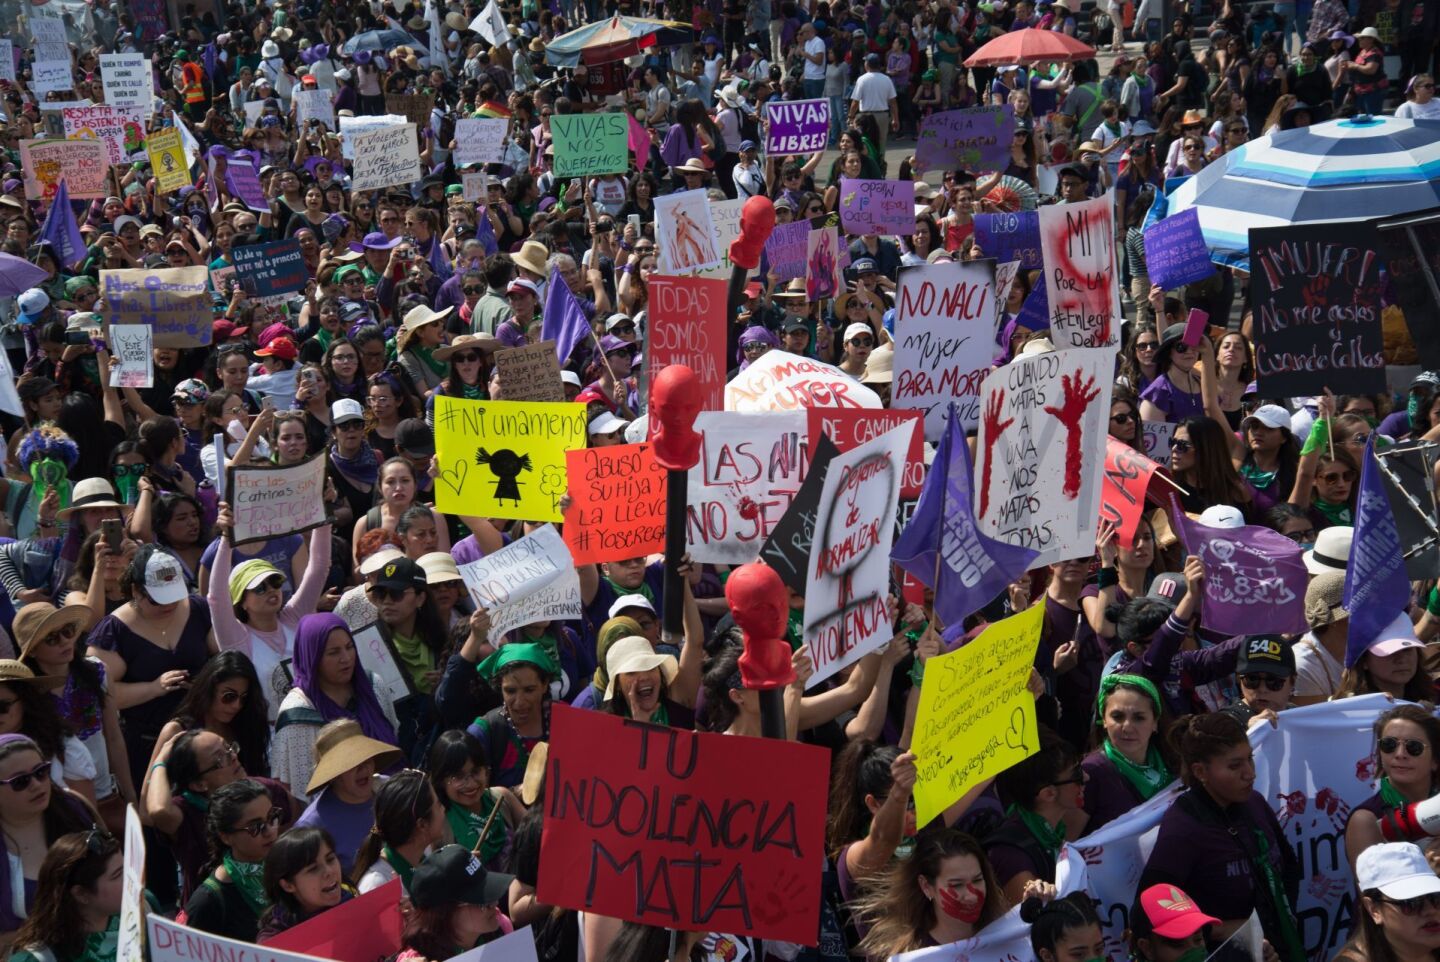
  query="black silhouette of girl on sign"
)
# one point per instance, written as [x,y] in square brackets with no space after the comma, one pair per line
[506,465]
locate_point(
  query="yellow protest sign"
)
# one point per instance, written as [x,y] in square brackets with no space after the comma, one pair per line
[976,717]
[504,459]
[167,159]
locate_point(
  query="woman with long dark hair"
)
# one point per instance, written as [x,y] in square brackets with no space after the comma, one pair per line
[871,820]
[409,820]
[226,698]
[1137,360]
[77,902]
[460,776]
[241,825]
[302,879]
[1200,461]
[1407,738]
[26,708]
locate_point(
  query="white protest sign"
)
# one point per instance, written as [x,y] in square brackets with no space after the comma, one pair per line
[781,381]
[253,109]
[847,585]
[1041,451]
[351,127]
[50,66]
[684,233]
[271,501]
[1078,244]
[529,580]
[173,942]
[1157,439]
[479,140]
[379,659]
[129,946]
[314,105]
[1005,275]
[725,219]
[121,128]
[129,81]
[217,446]
[130,348]
[474,185]
[518,946]
[9,397]
[944,340]
[750,468]
[7,60]
[386,157]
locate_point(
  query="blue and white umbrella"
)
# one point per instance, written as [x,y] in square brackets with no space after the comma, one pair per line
[1341,170]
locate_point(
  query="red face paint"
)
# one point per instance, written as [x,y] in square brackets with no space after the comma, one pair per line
[951,905]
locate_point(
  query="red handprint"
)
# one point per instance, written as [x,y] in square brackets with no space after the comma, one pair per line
[1327,801]
[1077,400]
[1316,292]
[1294,804]
[1365,769]
[993,428]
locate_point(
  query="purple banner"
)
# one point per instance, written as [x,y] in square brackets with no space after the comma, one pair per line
[797,126]
[1254,578]
[977,138]
[1175,251]
[877,206]
[785,249]
[1011,237]
[242,180]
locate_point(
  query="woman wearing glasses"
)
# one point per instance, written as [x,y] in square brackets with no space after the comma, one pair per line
[1137,360]
[1420,102]
[409,821]
[1406,739]
[77,899]
[1200,460]
[226,698]
[1399,910]
[241,825]
[1177,392]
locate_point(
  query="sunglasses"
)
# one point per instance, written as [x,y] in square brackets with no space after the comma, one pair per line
[1077,777]
[223,758]
[1147,346]
[1389,745]
[758,347]
[22,781]
[1301,537]
[863,342]
[271,820]
[98,841]
[1181,446]
[467,357]
[61,635]
[473,290]
[388,594]
[1414,906]
[623,329]
[1269,682]
[1335,477]
[230,696]
[1183,348]
[1122,418]
[268,585]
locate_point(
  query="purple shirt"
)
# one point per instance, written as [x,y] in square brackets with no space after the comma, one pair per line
[347,824]
[1175,403]
[1107,794]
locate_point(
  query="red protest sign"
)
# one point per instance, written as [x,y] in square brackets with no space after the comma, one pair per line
[364,929]
[617,503]
[1122,493]
[851,428]
[687,326]
[681,829]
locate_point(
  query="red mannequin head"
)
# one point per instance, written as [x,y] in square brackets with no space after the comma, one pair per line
[757,220]
[674,402]
[760,606]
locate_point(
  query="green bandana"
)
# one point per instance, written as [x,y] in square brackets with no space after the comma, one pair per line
[1146,779]
[1336,514]
[402,868]
[1390,795]
[427,354]
[416,657]
[201,802]
[1257,478]
[1292,947]
[621,591]
[1112,681]
[465,825]
[249,878]
[1050,838]
[526,652]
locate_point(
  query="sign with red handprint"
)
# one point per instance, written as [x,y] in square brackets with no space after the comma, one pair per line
[1040,457]
[1078,242]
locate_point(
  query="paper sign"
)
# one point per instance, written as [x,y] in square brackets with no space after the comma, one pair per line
[796,127]
[363,929]
[750,468]
[350,127]
[848,584]
[517,946]
[1041,448]
[129,80]
[687,326]
[386,157]
[254,109]
[480,140]
[504,459]
[167,159]
[785,250]
[944,340]
[84,165]
[976,717]
[1078,241]
[173,942]
[977,138]
[587,144]
[823,264]
[7,60]
[1315,294]
[502,582]
[175,301]
[530,373]
[271,501]
[133,363]
[1008,237]
[684,233]
[130,945]
[272,269]
[1005,273]
[413,107]
[617,504]
[781,381]
[850,429]
[1122,496]
[725,217]
[658,854]
[379,657]
[791,543]
[474,185]
[50,68]
[314,105]
[242,180]
[122,129]
[1175,251]
[877,206]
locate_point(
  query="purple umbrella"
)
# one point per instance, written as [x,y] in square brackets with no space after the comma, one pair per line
[18,275]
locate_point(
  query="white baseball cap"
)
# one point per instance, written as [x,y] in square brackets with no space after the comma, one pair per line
[1395,638]
[382,556]
[570,377]
[1222,516]
[1397,869]
[1268,415]
[33,301]
[606,423]
[164,581]
[630,601]
[346,409]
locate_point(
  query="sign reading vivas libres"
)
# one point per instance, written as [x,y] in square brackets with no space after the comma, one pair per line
[662,826]
[1315,298]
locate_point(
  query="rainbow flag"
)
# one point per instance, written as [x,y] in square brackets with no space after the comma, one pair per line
[493,108]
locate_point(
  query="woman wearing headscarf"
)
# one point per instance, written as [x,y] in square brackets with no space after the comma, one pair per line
[609,633]
[522,671]
[755,341]
[1130,766]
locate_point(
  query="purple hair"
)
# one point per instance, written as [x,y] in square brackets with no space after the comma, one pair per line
[310,637]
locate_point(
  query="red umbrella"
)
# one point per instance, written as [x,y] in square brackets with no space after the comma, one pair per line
[1030,46]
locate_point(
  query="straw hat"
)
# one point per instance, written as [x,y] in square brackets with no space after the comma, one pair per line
[879,366]
[92,493]
[532,257]
[342,745]
[417,318]
[439,567]
[534,782]
[482,342]
[39,619]
[635,654]
[17,671]
[456,21]
[281,34]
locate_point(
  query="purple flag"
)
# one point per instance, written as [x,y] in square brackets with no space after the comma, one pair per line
[485,234]
[61,230]
[943,548]
[242,181]
[1254,578]
[1376,586]
[563,320]
[209,56]
[437,260]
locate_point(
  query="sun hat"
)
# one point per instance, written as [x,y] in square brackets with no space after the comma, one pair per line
[1369,33]
[1325,599]
[249,575]
[1397,870]
[269,49]
[635,654]
[481,341]
[453,875]
[377,241]
[692,166]
[879,366]
[91,493]
[1170,913]
[39,619]
[379,559]
[1331,551]
[416,318]
[631,601]
[13,671]
[342,745]
[531,257]
[439,568]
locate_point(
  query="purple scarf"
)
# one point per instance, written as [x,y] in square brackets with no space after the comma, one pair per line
[310,637]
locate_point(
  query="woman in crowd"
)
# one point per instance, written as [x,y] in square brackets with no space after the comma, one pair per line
[1406,739]
[226,698]
[302,879]
[78,898]
[1200,461]
[1138,361]
[27,708]
[461,778]
[1390,664]
[399,488]
[343,784]
[455,907]
[409,820]
[1399,915]
[1064,928]
[388,404]
[1175,393]
[1133,763]
[241,825]
[523,672]
[871,819]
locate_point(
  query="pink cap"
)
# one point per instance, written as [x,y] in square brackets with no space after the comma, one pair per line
[1172,913]
[1395,638]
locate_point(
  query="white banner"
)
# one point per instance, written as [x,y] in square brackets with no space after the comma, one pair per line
[351,127]
[173,942]
[944,340]
[533,579]
[781,381]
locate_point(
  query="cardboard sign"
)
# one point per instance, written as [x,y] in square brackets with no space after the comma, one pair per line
[314,105]
[1411,248]
[587,144]
[474,185]
[781,381]
[750,468]
[413,107]
[379,657]
[130,945]
[1039,457]
[657,854]
[796,126]
[976,717]
[530,373]
[167,160]
[1122,496]
[129,80]
[133,364]
[1078,242]
[502,582]
[173,942]
[517,946]
[1175,251]
[977,138]
[504,459]
[877,206]
[785,250]
[687,326]
[1011,237]
[684,233]
[386,157]
[364,929]
[175,301]
[824,265]
[481,140]
[850,429]
[789,546]
[84,165]
[271,501]
[848,581]
[1315,297]
[272,269]
[944,340]
[617,504]
[122,129]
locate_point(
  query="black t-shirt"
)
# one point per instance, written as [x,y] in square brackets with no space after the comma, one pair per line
[1193,96]
[220,909]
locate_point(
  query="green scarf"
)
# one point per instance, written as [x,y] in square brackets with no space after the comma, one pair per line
[101,946]
[465,825]
[427,354]
[402,868]
[1147,779]
[1050,838]
[1293,947]
[1390,795]
[416,657]
[249,878]
[643,589]
[1257,478]
[201,802]
[1336,514]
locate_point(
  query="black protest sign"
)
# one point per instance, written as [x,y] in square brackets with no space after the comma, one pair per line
[1411,248]
[787,550]
[1315,299]
[1407,471]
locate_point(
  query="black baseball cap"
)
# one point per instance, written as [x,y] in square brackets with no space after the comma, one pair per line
[400,574]
[794,323]
[456,874]
[1266,655]
[414,437]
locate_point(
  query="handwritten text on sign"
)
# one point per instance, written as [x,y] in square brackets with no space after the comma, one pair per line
[796,127]
[530,372]
[588,144]
[479,140]
[617,504]
[975,718]
[529,580]
[133,359]
[751,466]
[175,301]
[850,429]
[84,165]
[386,157]
[271,502]
[121,128]
[504,459]
[172,942]
[1175,251]
[696,848]
[270,269]
[977,138]
[944,340]
[1078,241]
[877,206]
[1122,496]
[1008,237]
[687,326]
[781,381]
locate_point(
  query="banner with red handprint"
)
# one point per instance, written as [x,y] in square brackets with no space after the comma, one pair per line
[1315,297]
[684,830]
[1040,455]
[1078,242]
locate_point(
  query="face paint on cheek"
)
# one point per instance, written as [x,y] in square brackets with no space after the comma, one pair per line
[951,905]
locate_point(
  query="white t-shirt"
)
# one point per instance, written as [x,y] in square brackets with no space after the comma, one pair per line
[1430,110]
[814,47]
[873,92]
[1317,672]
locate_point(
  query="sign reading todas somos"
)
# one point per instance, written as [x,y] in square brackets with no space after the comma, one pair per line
[977,138]
[796,127]
[617,503]
[1315,297]
[687,326]
[944,341]
[1078,243]
[588,144]
[658,826]
[504,459]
